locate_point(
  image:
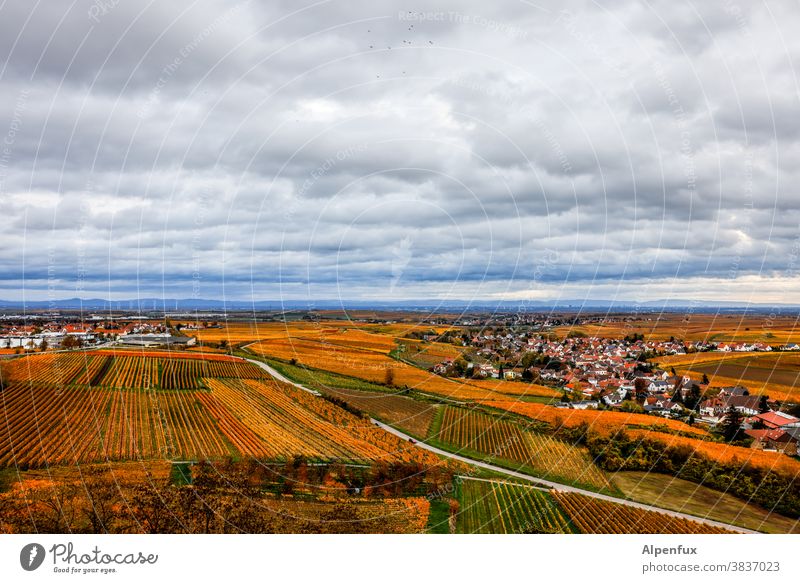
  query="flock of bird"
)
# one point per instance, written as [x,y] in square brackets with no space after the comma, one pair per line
[406,42]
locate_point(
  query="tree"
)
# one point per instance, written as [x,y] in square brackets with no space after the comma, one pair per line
[731,424]
[763,405]
[460,366]
[70,342]
[527,375]
[388,378]
[631,407]
[793,409]
[690,422]
[693,399]
[705,379]
[640,386]
[103,509]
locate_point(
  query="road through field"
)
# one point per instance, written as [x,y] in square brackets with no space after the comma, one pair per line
[536,481]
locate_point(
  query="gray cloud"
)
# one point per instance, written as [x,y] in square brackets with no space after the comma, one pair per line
[276,149]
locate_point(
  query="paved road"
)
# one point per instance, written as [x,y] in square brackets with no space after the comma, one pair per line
[281,378]
[535,481]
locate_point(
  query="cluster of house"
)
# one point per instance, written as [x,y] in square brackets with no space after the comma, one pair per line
[745,347]
[579,358]
[769,428]
[55,334]
[595,371]
[51,334]
[775,430]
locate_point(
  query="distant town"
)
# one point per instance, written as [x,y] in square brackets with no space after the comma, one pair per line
[592,372]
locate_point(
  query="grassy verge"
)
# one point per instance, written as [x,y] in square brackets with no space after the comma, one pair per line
[518,467]
[439,517]
[181,474]
[683,496]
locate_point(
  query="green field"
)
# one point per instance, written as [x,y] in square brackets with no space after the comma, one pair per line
[494,507]
[505,443]
[690,498]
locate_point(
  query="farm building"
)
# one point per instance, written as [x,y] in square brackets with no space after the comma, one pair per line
[156,340]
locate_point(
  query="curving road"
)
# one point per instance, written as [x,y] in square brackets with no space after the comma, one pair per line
[519,475]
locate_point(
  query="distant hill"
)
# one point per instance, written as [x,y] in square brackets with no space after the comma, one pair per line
[173,305]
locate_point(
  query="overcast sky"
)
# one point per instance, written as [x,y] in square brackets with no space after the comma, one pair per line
[367,150]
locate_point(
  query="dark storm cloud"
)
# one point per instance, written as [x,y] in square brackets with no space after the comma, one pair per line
[266,149]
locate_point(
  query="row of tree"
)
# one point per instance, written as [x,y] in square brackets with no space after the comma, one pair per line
[774,491]
[228,497]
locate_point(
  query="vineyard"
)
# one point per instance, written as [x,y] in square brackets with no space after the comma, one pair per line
[405,413]
[372,366]
[385,403]
[594,516]
[602,422]
[712,327]
[134,370]
[374,336]
[115,416]
[549,458]
[493,507]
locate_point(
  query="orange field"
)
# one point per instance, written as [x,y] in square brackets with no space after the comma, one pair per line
[690,326]
[685,360]
[136,370]
[599,421]
[595,516]
[236,332]
[45,423]
[269,419]
[210,357]
[372,366]
[724,453]
[776,374]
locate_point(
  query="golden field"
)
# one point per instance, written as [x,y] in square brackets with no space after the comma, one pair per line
[776,374]
[383,335]
[710,327]
[725,453]
[599,421]
[372,366]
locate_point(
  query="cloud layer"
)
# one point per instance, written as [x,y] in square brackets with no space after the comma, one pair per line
[355,149]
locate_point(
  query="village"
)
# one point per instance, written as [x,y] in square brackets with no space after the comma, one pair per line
[610,374]
[593,373]
[20,337]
